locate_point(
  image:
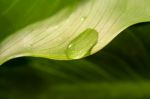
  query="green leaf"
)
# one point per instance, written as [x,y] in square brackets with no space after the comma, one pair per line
[45,28]
[119,71]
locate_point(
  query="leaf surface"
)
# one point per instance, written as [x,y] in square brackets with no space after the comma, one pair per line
[45,28]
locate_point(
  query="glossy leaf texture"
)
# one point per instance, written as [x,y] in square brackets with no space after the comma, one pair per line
[45,28]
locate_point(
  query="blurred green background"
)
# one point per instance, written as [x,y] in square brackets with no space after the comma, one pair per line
[120,71]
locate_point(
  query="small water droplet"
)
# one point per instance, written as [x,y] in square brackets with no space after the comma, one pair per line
[83,18]
[82,44]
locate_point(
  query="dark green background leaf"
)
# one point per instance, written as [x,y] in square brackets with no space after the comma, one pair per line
[16,14]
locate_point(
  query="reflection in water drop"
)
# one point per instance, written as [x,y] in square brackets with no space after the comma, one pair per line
[82,45]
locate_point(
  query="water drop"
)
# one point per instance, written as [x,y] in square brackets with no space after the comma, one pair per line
[82,44]
[83,18]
